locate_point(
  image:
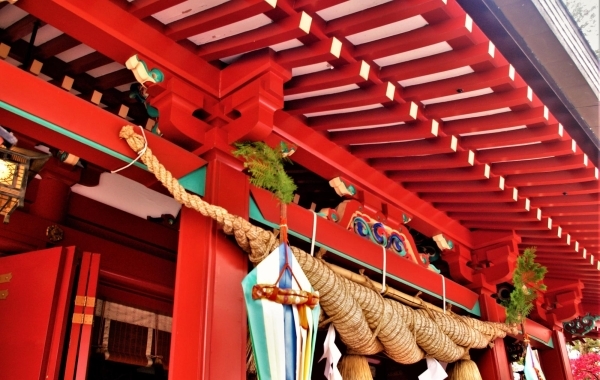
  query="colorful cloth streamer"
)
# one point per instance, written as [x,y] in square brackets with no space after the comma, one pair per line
[434,371]
[283,349]
[332,355]
[532,370]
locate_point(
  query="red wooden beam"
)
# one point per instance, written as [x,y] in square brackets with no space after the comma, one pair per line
[380,15]
[322,51]
[590,187]
[545,223]
[495,183]
[504,120]
[572,210]
[315,5]
[446,144]
[384,93]
[502,78]
[482,54]
[30,94]
[471,173]
[525,216]
[146,8]
[116,33]
[506,196]
[531,151]
[435,161]
[567,200]
[514,137]
[554,236]
[352,73]
[553,178]
[520,97]
[401,132]
[519,206]
[57,45]
[550,164]
[295,26]
[399,113]
[582,220]
[216,17]
[451,30]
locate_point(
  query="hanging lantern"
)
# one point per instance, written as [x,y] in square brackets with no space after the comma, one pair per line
[17,165]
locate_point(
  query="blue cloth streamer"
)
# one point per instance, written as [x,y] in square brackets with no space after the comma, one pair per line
[288,316]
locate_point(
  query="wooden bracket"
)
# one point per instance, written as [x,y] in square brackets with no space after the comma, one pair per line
[5,277]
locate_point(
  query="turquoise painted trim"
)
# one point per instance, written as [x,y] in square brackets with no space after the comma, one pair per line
[195,181]
[64,132]
[257,216]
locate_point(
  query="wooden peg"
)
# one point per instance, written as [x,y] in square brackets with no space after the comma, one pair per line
[36,67]
[67,83]
[296,198]
[96,97]
[4,50]
[123,111]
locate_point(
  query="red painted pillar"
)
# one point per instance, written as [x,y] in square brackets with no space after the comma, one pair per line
[51,200]
[209,318]
[555,362]
[493,364]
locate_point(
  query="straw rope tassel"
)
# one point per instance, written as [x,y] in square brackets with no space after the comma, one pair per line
[366,322]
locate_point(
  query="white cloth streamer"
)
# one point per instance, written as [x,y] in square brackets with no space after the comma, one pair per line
[434,371]
[383,286]
[314,234]
[332,355]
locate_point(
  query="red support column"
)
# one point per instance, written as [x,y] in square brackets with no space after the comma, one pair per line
[209,319]
[555,362]
[493,364]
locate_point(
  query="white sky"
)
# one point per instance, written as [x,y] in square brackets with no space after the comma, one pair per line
[593,38]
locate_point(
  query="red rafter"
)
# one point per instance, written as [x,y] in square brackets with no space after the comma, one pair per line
[349,74]
[446,144]
[553,178]
[434,161]
[400,132]
[514,137]
[441,175]
[532,151]
[504,120]
[399,113]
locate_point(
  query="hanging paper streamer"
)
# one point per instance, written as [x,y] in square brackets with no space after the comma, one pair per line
[532,370]
[283,317]
[434,371]
[332,355]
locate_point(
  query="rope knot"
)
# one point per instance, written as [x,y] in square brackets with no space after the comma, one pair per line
[126,132]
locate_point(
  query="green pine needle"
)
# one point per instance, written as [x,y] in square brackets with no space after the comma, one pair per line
[527,279]
[265,166]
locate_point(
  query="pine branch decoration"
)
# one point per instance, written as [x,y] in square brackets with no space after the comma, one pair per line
[528,281]
[265,165]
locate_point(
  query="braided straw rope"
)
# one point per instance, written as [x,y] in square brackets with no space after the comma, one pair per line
[366,322]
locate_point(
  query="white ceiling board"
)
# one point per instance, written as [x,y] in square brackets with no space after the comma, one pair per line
[13,62]
[425,51]
[507,129]
[127,195]
[308,69]
[344,110]
[75,53]
[348,7]
[327,91]
[185,9]
[9,15]
[477,114]
[436,76]
[457,96]
[44,34]
[365,127]
[287,45]
[388,30]
[124,87]
[509,146]
[106,69]
[241,26]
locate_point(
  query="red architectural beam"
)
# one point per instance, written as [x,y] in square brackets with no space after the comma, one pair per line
[589,187]
[380,15]
[471,173]
[447,31]
[74,129]
[507,196]
[446,144]
[399,113]
[216,17]
[348,74]
[435,161]
[400,132]
[550,164]
[514,137]
[519,206]
[493,184]
[536,115]
[501,78]
[533,151]
[118,34]
[553,178]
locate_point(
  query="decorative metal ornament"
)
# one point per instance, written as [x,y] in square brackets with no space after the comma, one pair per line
[54,233]
[17,166]
[582,325]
